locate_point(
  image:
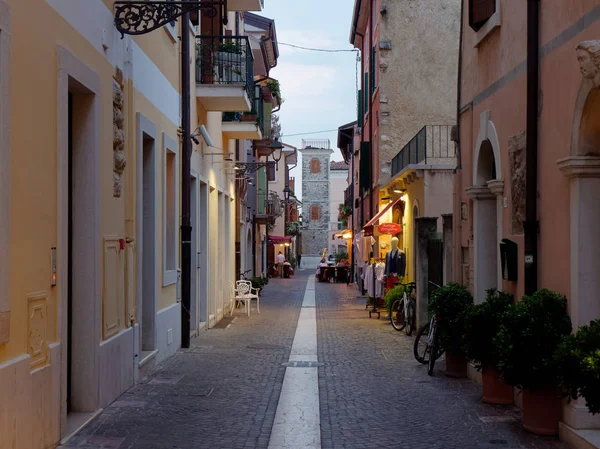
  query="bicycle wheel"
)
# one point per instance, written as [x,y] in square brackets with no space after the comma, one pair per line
[397,315]
[411,318]
[432,351]
[421,347]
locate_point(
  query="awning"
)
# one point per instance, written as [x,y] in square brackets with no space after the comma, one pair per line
[277,240]
[340,234]
[368,228]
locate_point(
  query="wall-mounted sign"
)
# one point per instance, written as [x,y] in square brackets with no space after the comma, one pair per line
[389,228]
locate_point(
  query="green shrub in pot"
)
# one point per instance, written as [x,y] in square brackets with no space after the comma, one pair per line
[451,303]
[529,335]
[578,365]
[391,296]
[481,326]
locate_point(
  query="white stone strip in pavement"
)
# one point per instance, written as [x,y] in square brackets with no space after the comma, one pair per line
[297,420]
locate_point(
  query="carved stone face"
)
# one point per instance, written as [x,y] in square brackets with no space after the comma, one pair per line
[586,64]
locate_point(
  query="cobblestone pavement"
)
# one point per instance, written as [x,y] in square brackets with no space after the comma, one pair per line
[223,392]
[220,393]
[374,394]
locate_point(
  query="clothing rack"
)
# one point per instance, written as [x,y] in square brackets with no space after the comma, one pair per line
[374,308]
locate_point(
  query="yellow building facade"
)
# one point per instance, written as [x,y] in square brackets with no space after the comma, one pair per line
[90,163]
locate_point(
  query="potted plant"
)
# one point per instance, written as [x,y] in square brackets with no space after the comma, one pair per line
[392,296]
[529,335]
[451,303]
[249,116]
[481,327]
[578,365]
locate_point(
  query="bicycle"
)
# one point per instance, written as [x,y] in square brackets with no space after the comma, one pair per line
[403,313]
[431,344]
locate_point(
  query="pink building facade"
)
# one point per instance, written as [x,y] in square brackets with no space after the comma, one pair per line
[491,192]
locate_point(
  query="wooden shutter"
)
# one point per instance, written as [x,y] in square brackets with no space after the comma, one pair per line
[364,176]
[360,109]
[271,171]
[373,70]
[480,11]
[367,96]
[314,212]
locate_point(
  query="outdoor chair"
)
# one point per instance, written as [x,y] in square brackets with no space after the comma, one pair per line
[245,293]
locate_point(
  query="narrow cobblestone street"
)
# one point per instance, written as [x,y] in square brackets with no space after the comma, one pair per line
[223,392]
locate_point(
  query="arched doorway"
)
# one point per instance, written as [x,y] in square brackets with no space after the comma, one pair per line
[486,193]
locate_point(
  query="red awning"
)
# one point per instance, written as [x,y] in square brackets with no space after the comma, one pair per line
[277,240]
[376,218]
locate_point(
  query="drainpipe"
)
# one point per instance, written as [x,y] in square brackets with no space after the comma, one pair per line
[456,216]
[371,112]
[186,226]
[458,91]
[531,224]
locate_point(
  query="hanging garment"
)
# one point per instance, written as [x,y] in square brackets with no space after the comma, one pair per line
[395,262]
[379,273]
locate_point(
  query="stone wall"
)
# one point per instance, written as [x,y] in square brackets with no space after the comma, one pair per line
[315,191]
[418,70]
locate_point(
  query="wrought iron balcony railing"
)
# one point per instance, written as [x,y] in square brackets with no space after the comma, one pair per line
[349,196]
[432,145]
[225,60]
[256,115]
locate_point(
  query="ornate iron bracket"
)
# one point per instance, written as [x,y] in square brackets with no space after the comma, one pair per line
[250,167]
[141,17]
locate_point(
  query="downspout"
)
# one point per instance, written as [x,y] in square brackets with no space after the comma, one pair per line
[186,225]
[352,258]
[371,112]
[456,218]
[531,225]
[362,128]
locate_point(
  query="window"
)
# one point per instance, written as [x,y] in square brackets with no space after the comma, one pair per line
[315,165]
[271,172]
[170,216]
[315,213]
[480,11]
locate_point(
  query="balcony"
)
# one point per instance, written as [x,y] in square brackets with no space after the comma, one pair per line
[224,73]
[247,125]
[349,197]
[269,208]
[245,5]
[430,148]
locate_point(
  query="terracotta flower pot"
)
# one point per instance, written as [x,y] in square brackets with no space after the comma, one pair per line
[456,365]
[495,391]
[542,410]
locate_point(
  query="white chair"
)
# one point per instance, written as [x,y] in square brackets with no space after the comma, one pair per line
[244,292]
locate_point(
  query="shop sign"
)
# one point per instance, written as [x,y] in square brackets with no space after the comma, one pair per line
[389,228]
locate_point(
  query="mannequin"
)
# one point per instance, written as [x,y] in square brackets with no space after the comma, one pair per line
[395,264]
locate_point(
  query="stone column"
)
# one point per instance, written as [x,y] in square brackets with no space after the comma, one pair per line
[584,188]
[448,253]
[485,240]
[425,226]
[496,186]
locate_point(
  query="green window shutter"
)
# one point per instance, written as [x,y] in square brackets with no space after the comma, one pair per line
[367,92]
[360,109]
[364,175]
[373,68]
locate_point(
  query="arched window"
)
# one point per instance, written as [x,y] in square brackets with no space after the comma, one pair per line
[315,165]
[314,212]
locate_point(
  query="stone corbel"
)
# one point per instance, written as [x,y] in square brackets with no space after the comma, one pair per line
[480,193]
[496,186]
[580,166]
